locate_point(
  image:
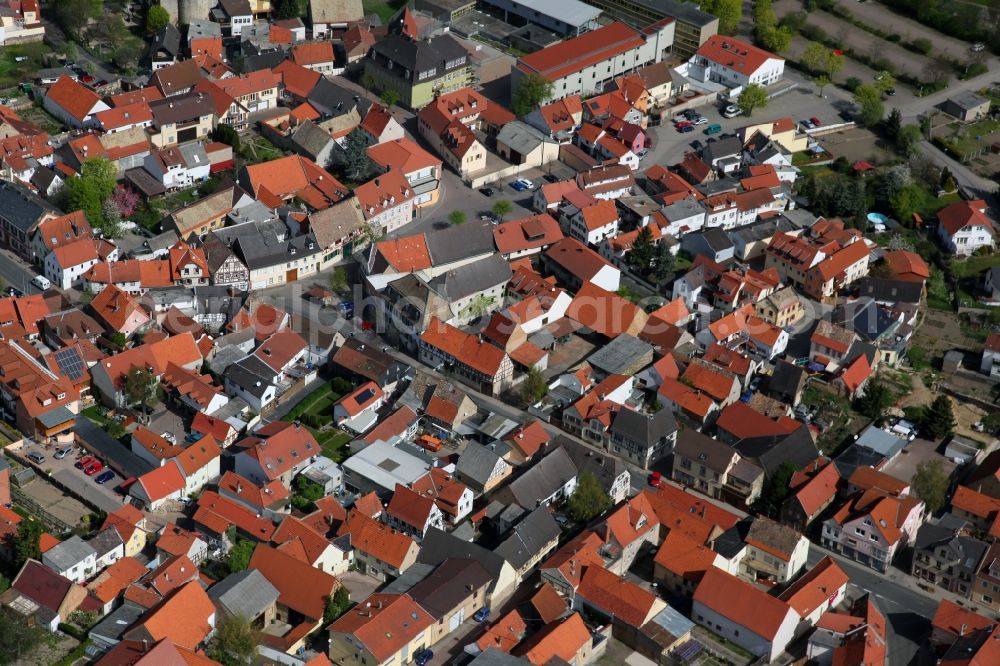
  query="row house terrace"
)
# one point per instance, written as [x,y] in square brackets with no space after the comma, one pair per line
[485,367]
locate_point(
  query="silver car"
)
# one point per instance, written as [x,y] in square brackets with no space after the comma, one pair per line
[63,452]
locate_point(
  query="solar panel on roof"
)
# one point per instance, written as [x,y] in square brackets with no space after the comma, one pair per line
[688,651]
[71,363]
[365,396]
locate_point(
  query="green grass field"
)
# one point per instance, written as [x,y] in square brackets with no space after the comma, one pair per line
[974,266]
[384,8]
[12,73]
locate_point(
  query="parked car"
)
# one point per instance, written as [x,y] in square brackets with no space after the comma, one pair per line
[681,123]
[687,128]
[697,145]
[816,121]
[84,461]
[551,178]
[714,128]
[731,111]
[104,477]
[15,292]
[891,92]
[808,124]
[977,47]
[423,657]
[655,479]
[36,457]
[93,468]
[63,452]
[700,120]
[642,153]
[518,185]
[527,183]
[481,614]
[487,191]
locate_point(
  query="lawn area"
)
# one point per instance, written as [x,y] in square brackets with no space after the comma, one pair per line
[974,266]
[937,292]
[333,443]
[94,414]
[12,73]
[384,8]
[318,404]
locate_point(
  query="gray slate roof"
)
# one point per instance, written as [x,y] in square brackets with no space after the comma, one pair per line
[460,242]
[251,374]
[439,546]
[117,622]
[449,585]
[472,278]
[21,207]
[542,479]
[618,356]
[68,553]
[420,55]
[529,537]
[477,462]
[247,593]
[106,541]
[606,468]
[644,428]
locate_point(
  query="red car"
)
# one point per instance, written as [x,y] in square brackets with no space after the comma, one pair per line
[682,123]
[87,78]
[655,479]
[815,121]
[93,468]
[85,461]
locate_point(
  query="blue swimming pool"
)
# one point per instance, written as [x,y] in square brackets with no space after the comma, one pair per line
[877,218]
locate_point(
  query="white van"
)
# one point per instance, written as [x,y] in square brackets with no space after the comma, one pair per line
[41,282]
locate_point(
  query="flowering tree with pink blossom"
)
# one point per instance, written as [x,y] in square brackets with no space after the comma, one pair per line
[126,199]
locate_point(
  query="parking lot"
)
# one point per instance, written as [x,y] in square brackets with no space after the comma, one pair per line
[65,473]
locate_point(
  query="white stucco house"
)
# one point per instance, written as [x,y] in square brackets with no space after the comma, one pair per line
[734,63]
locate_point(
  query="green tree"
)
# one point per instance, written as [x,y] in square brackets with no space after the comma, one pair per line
[664,261]
[111,220]
[72,15]
[730,12]
[336,605]
[18,639]
[893,123]
[235,641]
[884,81]
[239,555]
[390,96]
[338,279]
[640,257]
[115,430]
[930,483]
[224,133]
[875,400]
[908,141]
[923,45]
[775,490]
[94,185]
[156,18]
[869,99]
[353,156]
[502,208]
[534,387]
[588,499]
[140,386]
[118,339]
[754,96]
[285,9]
[531,91]
[456,217]
[822,81]
[939,419]
[26,544]
[777,39]
[820,59]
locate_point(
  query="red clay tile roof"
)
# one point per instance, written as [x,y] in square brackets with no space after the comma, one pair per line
[383,192]
[548,604]
[410,507]
[867,478]
[529,438]
[975,503]
[613,594]
[735,54]
[378,540]
[312,542]
[384,623]
[741,603]
[301,587]
[855,375]
[819,490]
[317,53]
[606,313]
[962,214]
[402,154]
[219,513]
[298,80]
[575,555]
[509,630]
[76,99]
[465,348]
[279,446]
[742,422]
[527,233]
[183,618]
[815,587]
[683,556]
[906,265]
[395,424]
[952,618]
[576,54]
[406,254]
[563,639]
[161,482]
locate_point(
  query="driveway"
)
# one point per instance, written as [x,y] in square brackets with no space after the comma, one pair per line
[112,453]
[103,496]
